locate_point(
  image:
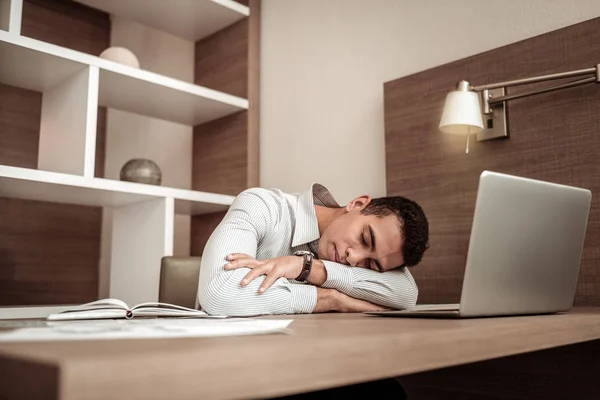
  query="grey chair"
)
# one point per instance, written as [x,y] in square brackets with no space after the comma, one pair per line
[179,280]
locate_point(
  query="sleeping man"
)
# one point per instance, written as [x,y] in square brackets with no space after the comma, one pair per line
[280,253]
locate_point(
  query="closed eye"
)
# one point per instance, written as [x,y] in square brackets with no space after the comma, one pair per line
[378,267]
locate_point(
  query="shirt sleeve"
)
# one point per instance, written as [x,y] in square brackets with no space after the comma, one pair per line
[395,288]
[252,217]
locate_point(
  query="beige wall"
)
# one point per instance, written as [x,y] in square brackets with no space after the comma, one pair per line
[323,64]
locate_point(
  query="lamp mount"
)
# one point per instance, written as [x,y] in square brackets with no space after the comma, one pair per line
[495,124]
[494,98]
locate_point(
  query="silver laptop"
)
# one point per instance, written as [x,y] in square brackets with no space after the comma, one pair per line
[524,251]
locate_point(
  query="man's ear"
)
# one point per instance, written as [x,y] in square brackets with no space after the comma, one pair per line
[358,203]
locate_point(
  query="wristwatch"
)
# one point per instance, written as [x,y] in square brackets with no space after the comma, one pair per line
[308,258]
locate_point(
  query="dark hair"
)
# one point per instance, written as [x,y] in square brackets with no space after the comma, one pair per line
[413,224]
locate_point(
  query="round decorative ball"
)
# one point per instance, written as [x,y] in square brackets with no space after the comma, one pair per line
[141,170]
[121,55]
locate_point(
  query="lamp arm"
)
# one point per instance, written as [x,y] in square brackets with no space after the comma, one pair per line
[579,82]
[588,71]
[463,110]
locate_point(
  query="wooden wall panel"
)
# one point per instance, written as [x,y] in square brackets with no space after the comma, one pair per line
[68,24]
[49,253]
[222,64]
[219,166]
[202,228]
[253,153]
[222,60]
[20,113]
[219,150]
[100,143]
[554,136]
[226,151]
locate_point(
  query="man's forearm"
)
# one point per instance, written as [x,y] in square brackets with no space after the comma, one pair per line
[325,300]
[396,288]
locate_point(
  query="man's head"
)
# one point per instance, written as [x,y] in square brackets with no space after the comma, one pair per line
[379,234]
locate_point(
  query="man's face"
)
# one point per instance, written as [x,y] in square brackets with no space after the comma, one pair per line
[365,241]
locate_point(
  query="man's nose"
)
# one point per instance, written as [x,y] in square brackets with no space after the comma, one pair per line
[352,257]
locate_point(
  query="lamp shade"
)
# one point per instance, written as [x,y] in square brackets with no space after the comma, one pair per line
[462,113]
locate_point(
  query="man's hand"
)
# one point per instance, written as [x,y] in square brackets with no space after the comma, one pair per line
[274,268]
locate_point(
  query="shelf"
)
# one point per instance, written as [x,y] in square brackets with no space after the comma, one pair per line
[31,184]
[30,69]
[36,65]
[188,19]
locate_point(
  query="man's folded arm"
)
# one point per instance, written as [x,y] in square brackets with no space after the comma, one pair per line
[251,217]
[395,288]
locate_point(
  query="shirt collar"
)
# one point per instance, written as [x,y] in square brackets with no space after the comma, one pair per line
[307,227]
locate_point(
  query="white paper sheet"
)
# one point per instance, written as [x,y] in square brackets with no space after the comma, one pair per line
[163,328]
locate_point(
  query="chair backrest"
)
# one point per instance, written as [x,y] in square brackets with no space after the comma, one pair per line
[179,281]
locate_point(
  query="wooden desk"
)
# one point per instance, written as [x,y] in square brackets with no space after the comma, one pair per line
[323,351]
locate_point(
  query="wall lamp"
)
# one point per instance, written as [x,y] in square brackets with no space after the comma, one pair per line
[482,109]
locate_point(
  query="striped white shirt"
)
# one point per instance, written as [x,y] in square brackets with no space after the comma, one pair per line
[268,223]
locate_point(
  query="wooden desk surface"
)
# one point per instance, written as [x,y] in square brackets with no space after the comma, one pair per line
[323,351]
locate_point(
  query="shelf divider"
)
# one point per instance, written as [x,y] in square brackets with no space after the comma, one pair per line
[141,235]
[68,125]
[11,12]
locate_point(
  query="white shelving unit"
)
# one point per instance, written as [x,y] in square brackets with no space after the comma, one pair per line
[73,85]
[36,65]
[31,184]
[190,19]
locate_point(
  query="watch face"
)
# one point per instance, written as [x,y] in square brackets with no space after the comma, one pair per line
[302,252]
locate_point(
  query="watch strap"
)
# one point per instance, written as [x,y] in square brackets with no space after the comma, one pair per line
[306,266]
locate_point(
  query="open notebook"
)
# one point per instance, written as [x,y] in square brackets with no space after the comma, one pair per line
[117,309]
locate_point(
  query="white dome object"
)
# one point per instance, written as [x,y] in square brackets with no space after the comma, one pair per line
[121,55]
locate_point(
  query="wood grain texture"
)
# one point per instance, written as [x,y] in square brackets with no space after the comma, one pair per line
[100,143]
[68,24]
[202,226]
[253,154]
[220,155]
[556,374]
[340,349]
[49,253]
[221,60]
[554,137]
[226,152]
[20,114]
[219,165]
